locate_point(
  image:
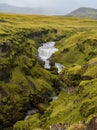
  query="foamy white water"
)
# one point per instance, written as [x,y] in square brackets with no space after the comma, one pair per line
[55,98]
[59,67]
[31,112]
[46,51]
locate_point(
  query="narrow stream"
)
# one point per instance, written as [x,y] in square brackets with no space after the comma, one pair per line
[45,53]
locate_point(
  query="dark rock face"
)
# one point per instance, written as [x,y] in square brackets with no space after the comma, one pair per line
[93,124]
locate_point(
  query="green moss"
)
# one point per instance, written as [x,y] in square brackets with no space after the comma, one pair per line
[75,69]
[91,68]
[31,124]
[24,81]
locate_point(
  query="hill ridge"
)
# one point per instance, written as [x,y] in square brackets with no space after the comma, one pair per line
[85,12]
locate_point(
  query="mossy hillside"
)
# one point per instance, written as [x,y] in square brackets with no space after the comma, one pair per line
[21,76]
[19,67]
[91,68]
[78,48]
[23,81]
[77,104]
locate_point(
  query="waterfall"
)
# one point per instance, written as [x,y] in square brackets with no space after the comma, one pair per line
[46,51]
[59,67]
[31,112]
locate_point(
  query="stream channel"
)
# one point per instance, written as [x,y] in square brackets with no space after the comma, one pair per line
[44,53]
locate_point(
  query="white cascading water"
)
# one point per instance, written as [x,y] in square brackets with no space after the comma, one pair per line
[59,67]
[54,98]
[46,51]
[30,112]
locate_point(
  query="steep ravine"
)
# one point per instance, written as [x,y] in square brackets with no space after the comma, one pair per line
[79,80]
[29,87]
[45,52]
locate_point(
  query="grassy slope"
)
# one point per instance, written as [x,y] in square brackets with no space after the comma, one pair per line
[20,36]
